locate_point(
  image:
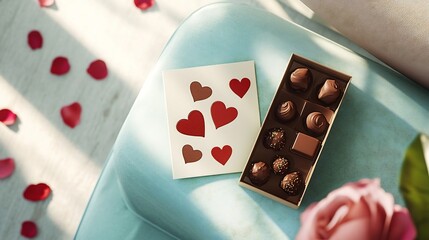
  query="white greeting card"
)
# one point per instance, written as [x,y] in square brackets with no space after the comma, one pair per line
[213,118]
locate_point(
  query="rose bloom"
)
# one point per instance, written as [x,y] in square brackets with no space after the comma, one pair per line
[358,210]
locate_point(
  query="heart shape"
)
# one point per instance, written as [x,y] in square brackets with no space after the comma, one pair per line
[37,192]
[240,87]
[190,155]
[7,166]
[193,126]
[71,114]
[223,154]
[35,40]
[222,115]
[199,92]
[97,70]
[60,66]
[29,229]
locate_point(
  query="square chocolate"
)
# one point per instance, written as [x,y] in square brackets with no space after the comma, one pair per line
[306,145]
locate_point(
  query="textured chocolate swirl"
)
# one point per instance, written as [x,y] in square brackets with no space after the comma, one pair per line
[292,183]
[286,111]
[316,122]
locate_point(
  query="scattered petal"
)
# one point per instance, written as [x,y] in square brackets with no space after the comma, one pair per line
[46,3]
[35,40]
[97,69]
[29,229]
[37,192]
[7,117]
[60,65]
[7,166]
[144,4]
[71,114]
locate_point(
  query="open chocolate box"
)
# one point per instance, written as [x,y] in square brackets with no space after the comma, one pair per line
[294,131]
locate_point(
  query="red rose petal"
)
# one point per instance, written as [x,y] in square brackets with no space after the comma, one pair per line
[7,117]
[144,4]
[97,69]
[7,166]
[71,114]
[60,65]
[46,3]
[37,192]
[29,229]
[35,40]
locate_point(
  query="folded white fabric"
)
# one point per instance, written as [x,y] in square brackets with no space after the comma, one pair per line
[396,32]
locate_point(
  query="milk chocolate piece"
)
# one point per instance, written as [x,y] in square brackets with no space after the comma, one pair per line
[280,165]
[260,173]
[286,111]
[292,183]
[329,92]
[306,145]
[300,79]
[275,139]
[316,123]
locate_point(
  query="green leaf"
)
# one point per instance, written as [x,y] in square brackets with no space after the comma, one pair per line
[414,184]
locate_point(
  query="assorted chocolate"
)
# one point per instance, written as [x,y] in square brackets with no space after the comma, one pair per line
[294,131]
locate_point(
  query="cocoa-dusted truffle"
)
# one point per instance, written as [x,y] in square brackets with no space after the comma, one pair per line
[292,183]
[275,138]
[316,122]
[260,173]
[280,165]
[329,92]
[286,111]
[300,79]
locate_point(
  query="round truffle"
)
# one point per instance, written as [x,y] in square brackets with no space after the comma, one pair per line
[292,183]
[286,111]
[329,92]
[280,165]
[316,122]
[275,138]
[300,79]
[260,173]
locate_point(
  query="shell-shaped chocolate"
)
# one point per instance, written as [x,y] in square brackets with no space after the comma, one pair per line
[329,92]
[300,79]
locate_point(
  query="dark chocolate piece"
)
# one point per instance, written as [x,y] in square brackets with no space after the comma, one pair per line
[292,183]
[280,165]
[306,145]
[286,111]
[329,92]
[300,79]
[260,173]
[316,123]
[275,138]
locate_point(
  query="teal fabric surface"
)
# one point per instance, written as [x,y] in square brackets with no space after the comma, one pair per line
[136,197]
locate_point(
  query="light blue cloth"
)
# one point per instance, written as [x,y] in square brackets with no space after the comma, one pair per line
[136,197]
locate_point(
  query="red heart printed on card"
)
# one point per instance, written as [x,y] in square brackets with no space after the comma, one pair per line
[222,115]
[223,154]
[190,154]
[7,117]
[37,192]
[193,126]
[71,114]
[35,40]
[199,92]
[240,87]
[60,66]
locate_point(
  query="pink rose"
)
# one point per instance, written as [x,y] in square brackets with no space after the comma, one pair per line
[358,210]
